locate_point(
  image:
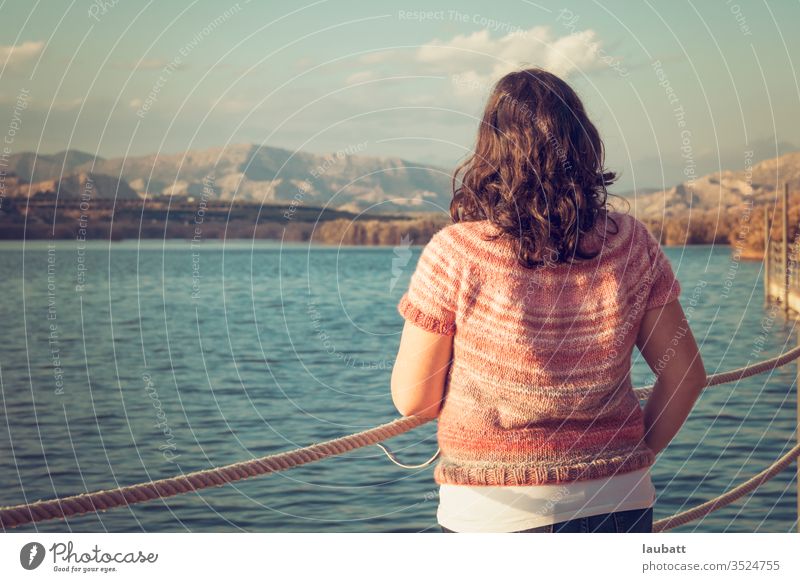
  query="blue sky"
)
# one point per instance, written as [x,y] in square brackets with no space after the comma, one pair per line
[676,88]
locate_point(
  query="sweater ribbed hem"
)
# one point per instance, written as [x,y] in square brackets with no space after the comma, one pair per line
[412,313]
[448,471]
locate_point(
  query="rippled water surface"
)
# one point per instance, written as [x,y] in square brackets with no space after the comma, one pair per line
[170,359]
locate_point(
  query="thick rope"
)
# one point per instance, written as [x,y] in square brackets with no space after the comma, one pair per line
[216,477]
[729,496]
[59,508]
[737,374]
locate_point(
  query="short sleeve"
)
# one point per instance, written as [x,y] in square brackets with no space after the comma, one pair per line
[431,299]
[665,287]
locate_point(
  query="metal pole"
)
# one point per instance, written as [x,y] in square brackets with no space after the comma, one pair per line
[785,253]
[767,249]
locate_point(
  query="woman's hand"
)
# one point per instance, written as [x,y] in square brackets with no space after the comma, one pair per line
[420,371]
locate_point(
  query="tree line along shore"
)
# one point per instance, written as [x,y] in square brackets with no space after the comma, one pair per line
[43,218]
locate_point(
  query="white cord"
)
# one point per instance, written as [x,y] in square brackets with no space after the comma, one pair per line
[394,460]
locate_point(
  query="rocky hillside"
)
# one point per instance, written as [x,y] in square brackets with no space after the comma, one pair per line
[724,207]
[251,173]
[350,181]
[722,191]
[31,167]
[90,186]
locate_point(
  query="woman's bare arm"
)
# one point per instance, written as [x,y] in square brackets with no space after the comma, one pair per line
[420,371]
[669,348]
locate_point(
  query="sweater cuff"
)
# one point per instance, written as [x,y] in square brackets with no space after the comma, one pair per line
[419,318]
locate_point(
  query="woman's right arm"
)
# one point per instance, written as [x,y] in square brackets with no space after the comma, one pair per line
[669,348]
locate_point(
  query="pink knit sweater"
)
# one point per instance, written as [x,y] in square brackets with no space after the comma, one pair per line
[539,390]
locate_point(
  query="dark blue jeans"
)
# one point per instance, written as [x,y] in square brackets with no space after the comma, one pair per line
[630,521]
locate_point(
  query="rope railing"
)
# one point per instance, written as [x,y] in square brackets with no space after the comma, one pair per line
[215,477]
[97,501]
[739,373]
[729,496]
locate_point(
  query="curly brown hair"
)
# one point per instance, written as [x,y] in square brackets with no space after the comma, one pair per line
[537,170]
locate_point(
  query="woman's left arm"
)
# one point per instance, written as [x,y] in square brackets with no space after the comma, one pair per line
[420,371]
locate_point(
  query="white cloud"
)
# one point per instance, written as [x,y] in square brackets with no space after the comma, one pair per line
[474,61]
[14,55]
[480,59]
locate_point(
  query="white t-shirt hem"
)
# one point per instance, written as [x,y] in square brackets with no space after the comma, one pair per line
[463,508]
[536,520]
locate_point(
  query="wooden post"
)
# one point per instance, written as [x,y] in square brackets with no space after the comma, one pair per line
[785,250]
[767,248]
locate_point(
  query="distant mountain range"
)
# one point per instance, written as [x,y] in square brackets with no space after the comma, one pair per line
[246,173]
[355,183]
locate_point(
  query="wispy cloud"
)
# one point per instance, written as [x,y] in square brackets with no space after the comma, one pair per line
[67,104]
[359,77]
[154,64]
[17,54]
[236,106]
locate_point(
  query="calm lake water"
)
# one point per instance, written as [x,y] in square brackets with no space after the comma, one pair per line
[173,360]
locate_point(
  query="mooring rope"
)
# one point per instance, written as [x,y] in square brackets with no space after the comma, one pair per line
[729,496]
[59,508]
[739,373]
[216,477]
